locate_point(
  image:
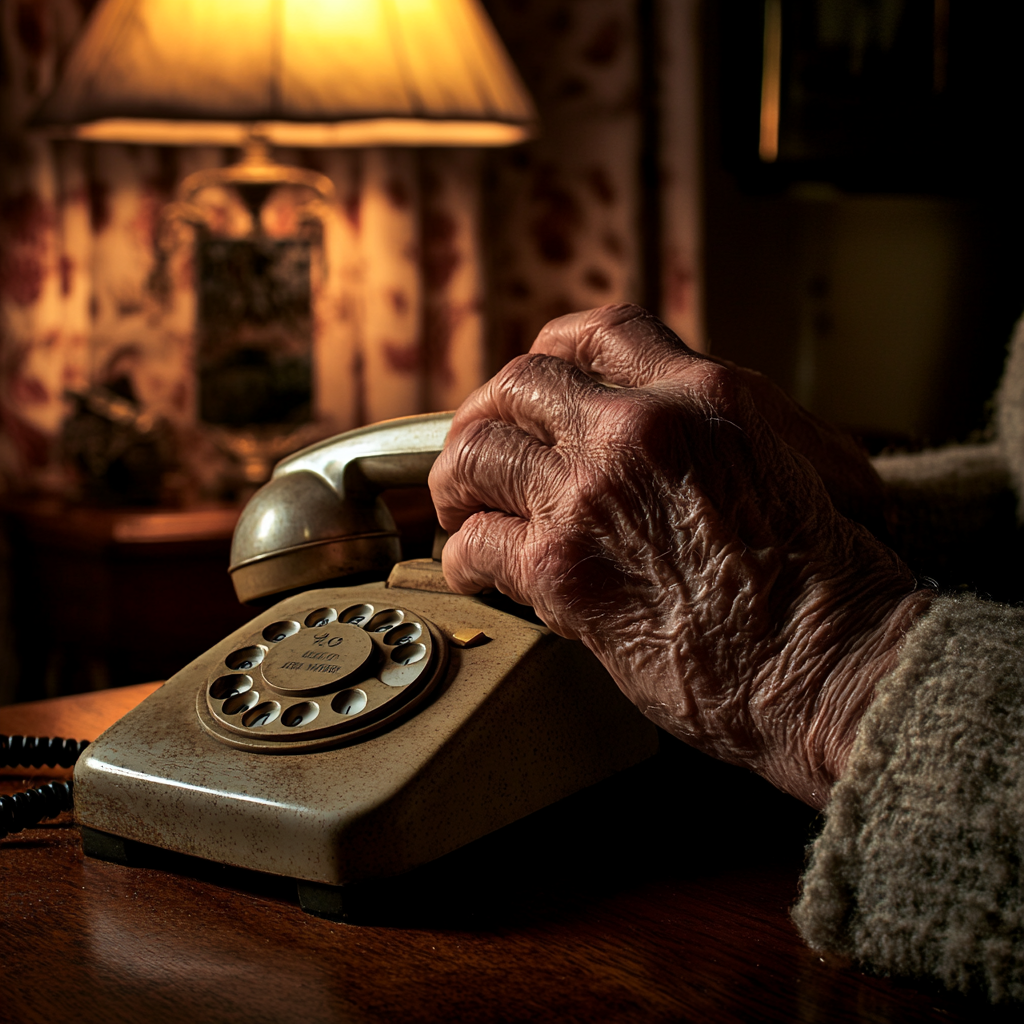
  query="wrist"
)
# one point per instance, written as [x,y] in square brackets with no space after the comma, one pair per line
[849,694]
[843,655]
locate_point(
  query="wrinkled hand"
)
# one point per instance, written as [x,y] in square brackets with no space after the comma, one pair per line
[644,499]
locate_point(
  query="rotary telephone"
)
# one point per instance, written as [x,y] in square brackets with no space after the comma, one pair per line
[355,731]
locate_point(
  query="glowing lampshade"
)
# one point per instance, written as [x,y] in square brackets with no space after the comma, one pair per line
[295,72]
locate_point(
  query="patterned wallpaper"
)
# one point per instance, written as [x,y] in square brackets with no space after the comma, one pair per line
[565,209]
[436,266]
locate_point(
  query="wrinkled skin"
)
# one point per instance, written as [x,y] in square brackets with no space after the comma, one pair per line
[678,516]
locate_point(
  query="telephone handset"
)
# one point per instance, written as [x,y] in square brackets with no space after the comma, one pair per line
[321,517]
[353,732]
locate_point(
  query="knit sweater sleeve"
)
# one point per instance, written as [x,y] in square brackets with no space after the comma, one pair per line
[918,870]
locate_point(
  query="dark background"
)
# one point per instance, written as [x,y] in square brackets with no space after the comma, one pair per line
[917,143]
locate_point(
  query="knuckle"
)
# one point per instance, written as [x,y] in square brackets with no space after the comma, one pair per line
[438,482]
[615,314]
[716,392]
[442,478]
[551,556]
[453,560]
[631,422]
[524,371]
[472,436]
[470,537]
[464,465]
[718,385]
[470,456]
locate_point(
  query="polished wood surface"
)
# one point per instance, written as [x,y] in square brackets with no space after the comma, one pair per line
[82,716]
[661,895]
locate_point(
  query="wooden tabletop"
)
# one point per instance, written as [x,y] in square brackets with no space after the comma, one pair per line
[661,895]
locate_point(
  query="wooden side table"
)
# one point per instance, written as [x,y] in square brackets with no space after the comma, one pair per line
[109,597]
[106,597]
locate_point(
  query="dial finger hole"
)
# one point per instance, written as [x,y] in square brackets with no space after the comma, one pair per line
[245,659]
[244,701]
[383,621]
[262,714]
[409,654]
[230,686]
[300,714]
[321,617]
[349,702]
[357,614]
[278,631]
[404,634]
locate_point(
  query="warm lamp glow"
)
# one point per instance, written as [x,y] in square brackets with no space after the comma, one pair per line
[376,131]
[297,72]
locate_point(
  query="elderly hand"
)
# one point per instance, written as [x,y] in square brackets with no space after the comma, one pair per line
[644,499]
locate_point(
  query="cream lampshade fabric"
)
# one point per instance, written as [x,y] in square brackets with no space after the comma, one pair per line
[301,72]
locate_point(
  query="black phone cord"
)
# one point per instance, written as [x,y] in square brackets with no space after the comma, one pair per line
[36,751]
[19,810]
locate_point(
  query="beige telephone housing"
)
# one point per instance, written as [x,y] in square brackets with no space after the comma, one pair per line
[352,733]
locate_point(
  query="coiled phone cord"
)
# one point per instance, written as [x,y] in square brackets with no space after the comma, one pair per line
[19,810]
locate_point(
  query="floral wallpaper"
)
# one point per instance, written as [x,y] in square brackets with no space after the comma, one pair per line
[435,266]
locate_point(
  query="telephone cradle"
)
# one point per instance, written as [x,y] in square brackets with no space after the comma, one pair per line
[350,734]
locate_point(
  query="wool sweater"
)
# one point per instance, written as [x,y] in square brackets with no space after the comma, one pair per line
[919,869]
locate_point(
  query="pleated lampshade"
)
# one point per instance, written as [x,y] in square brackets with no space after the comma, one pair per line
[297,72]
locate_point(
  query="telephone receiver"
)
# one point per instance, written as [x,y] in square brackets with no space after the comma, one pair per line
[321,517]
[367,724]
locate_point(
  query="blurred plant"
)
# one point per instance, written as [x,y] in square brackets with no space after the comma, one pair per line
[118,452]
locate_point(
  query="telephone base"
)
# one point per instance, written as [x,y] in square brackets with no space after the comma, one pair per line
[488,882]
[455,742]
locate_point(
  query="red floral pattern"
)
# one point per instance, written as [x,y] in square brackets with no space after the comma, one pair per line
[413,245]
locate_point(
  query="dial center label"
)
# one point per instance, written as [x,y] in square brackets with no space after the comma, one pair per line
[317,659]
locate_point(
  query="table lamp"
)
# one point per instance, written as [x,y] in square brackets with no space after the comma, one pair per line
[291,73]
[295,73]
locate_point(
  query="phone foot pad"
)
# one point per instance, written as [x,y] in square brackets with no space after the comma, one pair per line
[104,846]
[334,902]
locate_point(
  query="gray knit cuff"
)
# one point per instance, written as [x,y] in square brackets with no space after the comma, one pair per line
[918,870]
